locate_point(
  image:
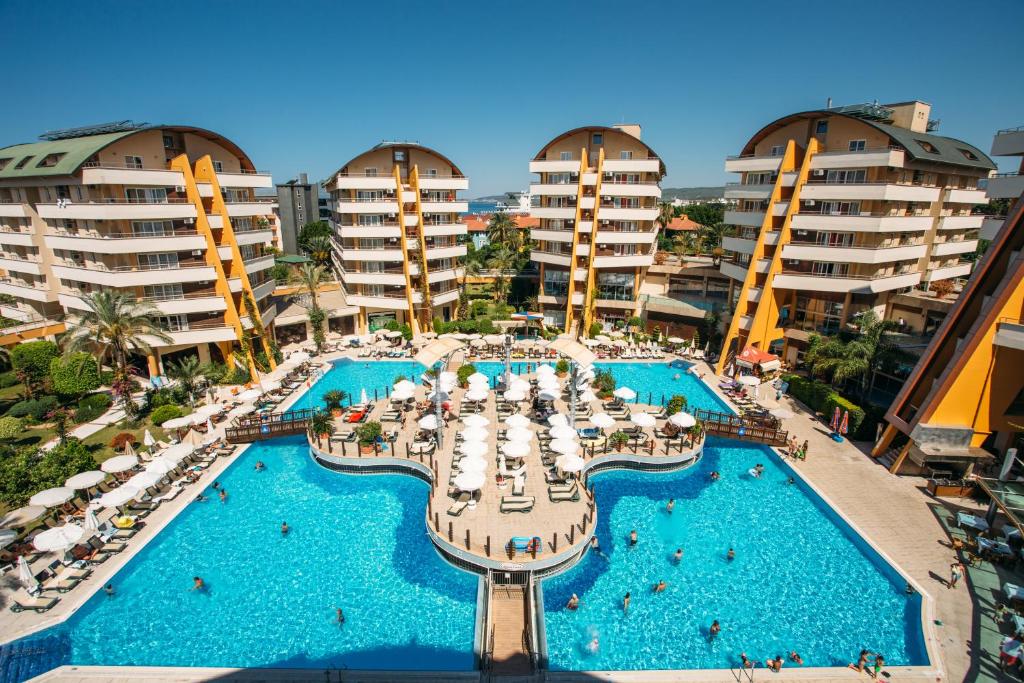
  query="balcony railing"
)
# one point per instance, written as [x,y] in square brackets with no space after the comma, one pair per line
[21,283]
[102,267]
[847,276]
[124,235]
[868,182]
[866,150]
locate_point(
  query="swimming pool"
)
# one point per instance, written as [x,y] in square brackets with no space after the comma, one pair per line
[801,580]
[353,376]
[356,542]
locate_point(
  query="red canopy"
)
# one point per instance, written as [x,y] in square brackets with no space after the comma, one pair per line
[752,356]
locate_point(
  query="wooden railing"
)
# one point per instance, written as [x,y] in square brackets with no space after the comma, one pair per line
[743,428]
[269,425]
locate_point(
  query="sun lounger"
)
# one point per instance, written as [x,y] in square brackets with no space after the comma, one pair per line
[558,496]
[457,507]
[562,487]
[518,486]
[517,503]
[23,601]
[1014,593]
[169,495]
[61,583]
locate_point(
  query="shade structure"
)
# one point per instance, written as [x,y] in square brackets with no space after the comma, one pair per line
[517,420]
[514,395]
[446,377]
[781,413]
[564,446]
[602,420]
[242,410]
[519,385]
[270,385]
[178,422]
[161,466]
[625,393]
[85,480]
[557,419]
[603,338]
[404,385]
[249,395]
[22,516]
[567,346]
[642,419]
[193,438]
[479,383]
[148,440]
[119,496]
[617,333]
[587,396]
[749,380]
[177,452]
[52,497]
[684,420]
[477,394]
[299,357]
[475,420]
[569,463]
[549,384]
[25,575]
[474,434]
[143,480]
[591,342]
[473,465]
[59,538]
[7,536]
[473,448]
[545,369]
[210,409]
[515,449]
[470,481]
[393,334]
[619,343]
[442,395]
[519,434]
[428,422]
[563,432]
[494,339]
[548,394]
[438,349]
[402,394]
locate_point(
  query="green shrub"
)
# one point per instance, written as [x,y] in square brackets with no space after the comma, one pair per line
[106,378]
[595,329]
[562,366]
[604,383]
[75,375]
[164,413]
[486,326]
[33,358]
[822,398]
[37,409]
[10,427]
[214,372]
[8,379]
[676,404]
[464,372]
[237,376]
[368,432]
[161,397]
[478,308]
[91,407]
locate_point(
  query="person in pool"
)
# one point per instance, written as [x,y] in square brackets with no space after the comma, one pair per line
[625,602]
[339,616]
[632,537]
[223,495]
[715,476]
[878,665]
[862,661]
[574,602]
[671,505]
[260,466]
[795,657]
[678,556]
[284,528]
[659,587]
[774,664]
[593,645]
[201,498]
[714,630]
[731,555]
[197,584]
[747,663]
[109,589]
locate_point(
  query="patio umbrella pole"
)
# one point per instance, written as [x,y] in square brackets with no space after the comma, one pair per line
[572,394]
[437,404]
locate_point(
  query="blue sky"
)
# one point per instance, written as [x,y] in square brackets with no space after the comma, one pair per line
[308,85]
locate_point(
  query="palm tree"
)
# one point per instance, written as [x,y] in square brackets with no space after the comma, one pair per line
[503,232]
[858,359]
[469,269]
[502,260]
[711,236]
[319,249]
[188,371]
[309,279]
[666,212]
[322,424]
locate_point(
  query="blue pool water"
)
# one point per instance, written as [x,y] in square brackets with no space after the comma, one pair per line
[353,376]
[356,542]
[801,579]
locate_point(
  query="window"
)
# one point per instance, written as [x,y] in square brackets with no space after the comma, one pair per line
[173,323]
[369,195]
[615,286]
[152,228]
[821,127]
[371,243]
[597,139]
[23,162]
[565,156]
[844,176]
[4,162]
[168,141]
[218,166]
[968,154]
[50,160]
[431,173]
[624,249]
[927,146]
[776,151]
[556,282]
[625,154]
[373,290]
[399,155]
[834,239]
[158,261]
[146,195]
[163,292]
[371,219]
[370,172]
[840,208]
[247,251]
[833,269]
[857,145]
[242,224]
[132,161]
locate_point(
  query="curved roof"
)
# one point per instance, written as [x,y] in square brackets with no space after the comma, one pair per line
[947,149]
[76,151]
[407,145]
[597,129]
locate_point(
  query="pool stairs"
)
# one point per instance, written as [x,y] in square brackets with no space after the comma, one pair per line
[510,627]
[742,428]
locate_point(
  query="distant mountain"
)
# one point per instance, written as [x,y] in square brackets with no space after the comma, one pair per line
[670,193]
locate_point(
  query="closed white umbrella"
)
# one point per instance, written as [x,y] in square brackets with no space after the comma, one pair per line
[517,420]
[7,536]
[473,465]
[514,395]
[23,516]
[602,420]
[249,395]
[565,446]
[363,398]
[119,496]
[569,463]
[477,394]
[563,432]
[59,538]
[520,434]
[161,466]
[143,480]
[470,481]
[85,480]
[148,440]
[625,393]
[475,420]
[178,422]
[474,434]
[473,448]
[52,497]
[642,419]
[428,422]
[210,409]
[681,419]
[782,413]
[557,419]
[548,394]
[516,449]
[749,380]
[25,575]
[90,523]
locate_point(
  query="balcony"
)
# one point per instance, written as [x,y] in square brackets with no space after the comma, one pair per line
[449,251]
[754,219]
[752,162]
[809,251]
[198,335]
[22,238]
[865,222]
[882,156]
[1010,334]
[127,243]
[20,290]
[442,298]
[553,258]
[740,191]
[554,166]
[888,192]
[12,210]
[605,236]
[120,210]
[134,276]
[392,301]
[264,289]
[990,226]
[735,271]
[844,283]
[961,222]
[16,264]
[124,175]
[391,254]
[385,230]
[439,182]
[253,208]
[1008,142]
[739,245]
[555,189]
[387,206]
[1005,186]
[359,181]
[613,213]
[254,237]
[563,212]
[967,197]
[258,263]
[444,275]
[444,229]
[444,207]
[603,259]
[244,179]
[187,303]
[951,247]
[634,165]
[610,188]
[962,269]
[388,276]
[551,235]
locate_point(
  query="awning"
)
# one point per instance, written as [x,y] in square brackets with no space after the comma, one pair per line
[573,349]
[770,365]
[751,356]
[436,350]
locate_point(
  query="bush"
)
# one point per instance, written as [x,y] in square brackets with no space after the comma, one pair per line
[595,329]
[214,372]
[91,407]
[562,366]
[604,383]
[822,398]
[164,413]
[8,379]
[237,376]
[75,375]
[34,358]
[368,432]
[10,427]
[106,378]
[464,372]
[161,397]
[676,404]
[37,409]
[119,441]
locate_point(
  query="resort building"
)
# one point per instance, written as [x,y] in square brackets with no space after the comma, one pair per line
[964,400]
[1008,185]
[398,240]
[298,203]
[597,200]
[166,214]
[839,210]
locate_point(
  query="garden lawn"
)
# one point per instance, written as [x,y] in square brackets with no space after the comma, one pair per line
[99,443]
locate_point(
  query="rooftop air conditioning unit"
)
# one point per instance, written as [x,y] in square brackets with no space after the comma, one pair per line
[819,171]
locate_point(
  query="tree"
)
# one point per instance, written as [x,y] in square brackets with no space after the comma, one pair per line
[502,261]
[10,427]
[31,360]
[470,269]
[942,288]
[309,278]
[710,236]
[319,249]
[321,424]
[666,212]
[334,398]
[503,232]
[60,418]
[309,231]
[76,375]
[859,358]
[706,214]
[189,373]
[116,326]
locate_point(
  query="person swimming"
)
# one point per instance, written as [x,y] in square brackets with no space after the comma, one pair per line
[574,602]
[795,657]
[714,630]
[676,376]
[731,555]
[593,645]
[284,528]
[659,587]
[625,602]
[198,584]
[339,616]
[260,466]
[677,557]
[715,476]
[632,537]
[671,505]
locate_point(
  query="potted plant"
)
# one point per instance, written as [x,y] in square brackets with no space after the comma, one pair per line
[463,374]
[322,425]
[333,399]
[562,368]
[368,434]
[695,432]
[675,404]
[618,440]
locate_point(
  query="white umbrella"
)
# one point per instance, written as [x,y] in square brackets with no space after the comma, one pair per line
[90,523]
[428,422]
[393,334]
[119,496]
[239,411]
[461,336]
[625,393]
[444,394]
[602,420]
[587,396]
[548,394]
[59,538]
[474,336]
[617,333]
[473,465]
[209,429]
[781,413]
[143,480]
[249,395]
[299,357]
[477,343]
[210,409]
[193,439]
[477,395]
[591,342]
[161,466]
[516,449]
[494,339]
[177,452]
[478,377]
[515,396]
[681,419]
[749,380]
[564,446]
[7,536]
[404,385]
[557,419]
[178,422]
[85,480]
[473,448]
[517,420]
[128,449]
[603,338]
[520,434]
[23,516]
[401,395]
[675,340]
[25,575]
[474,434]
[470,481]
[548,382]
[642,419]
[52,497]
[448,377]
[148,440]
[569,463]
[363,398]
[519,385]
[270,385]
[563,432]
[475,420]
[545,369]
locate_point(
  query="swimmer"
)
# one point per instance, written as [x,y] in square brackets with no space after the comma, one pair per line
[676,376]
[260,466]
[715,476]
[223,495]
[774,664]
[197,584]
[574,602]
[339,616]
[216,485]
[731,555]
[201,498]
[109,589]
[659,587]
[632,537]
[625,602]
[671,505]
[796,658]
[593,646]
[284,528]
[714,630]
[747,663]
[678,556]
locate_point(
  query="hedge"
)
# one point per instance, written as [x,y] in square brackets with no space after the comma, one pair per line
[164,413]
[822,398]
[91,407]
[37,409]
[34,358]
[75,375]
